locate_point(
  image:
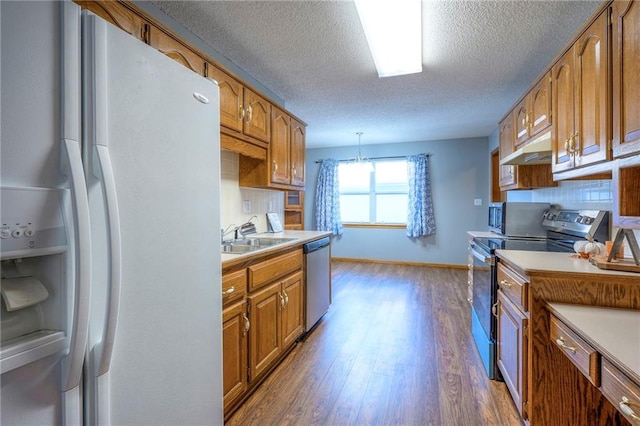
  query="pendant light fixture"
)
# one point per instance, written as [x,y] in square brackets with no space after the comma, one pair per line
[361,162]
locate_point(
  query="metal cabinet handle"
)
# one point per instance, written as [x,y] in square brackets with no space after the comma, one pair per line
[247,324]
[286,298]
[228,291]
[505,283]
[562,344]
[281,300]
[625,406]
[494,309]
[242,113]
[293,171]
[249,114]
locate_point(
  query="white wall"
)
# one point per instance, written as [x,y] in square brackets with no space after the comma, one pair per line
[459,174]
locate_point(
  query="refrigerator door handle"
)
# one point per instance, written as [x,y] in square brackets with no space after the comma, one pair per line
[104,349]
[72,166]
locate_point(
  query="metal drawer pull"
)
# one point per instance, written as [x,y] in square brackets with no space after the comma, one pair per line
[625,407]
[505,283]
[494,309]
[228,291]
[247,324]
[562,344]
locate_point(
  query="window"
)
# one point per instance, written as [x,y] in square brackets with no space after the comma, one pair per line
[378,196]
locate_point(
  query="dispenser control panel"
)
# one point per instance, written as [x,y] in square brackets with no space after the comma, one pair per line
[32,222]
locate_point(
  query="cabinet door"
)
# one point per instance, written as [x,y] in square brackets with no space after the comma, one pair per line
[508,174]
[175,50]
[512,350]
[298,146]
[540,106]
[592,110]
[521,122]
[117,14]
[562,107]
[626,77]
[292,313]
[234,352]
[231,98]
[257,121]
[265,341]
[280,146]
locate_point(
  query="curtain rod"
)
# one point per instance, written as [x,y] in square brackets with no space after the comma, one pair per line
[395,157]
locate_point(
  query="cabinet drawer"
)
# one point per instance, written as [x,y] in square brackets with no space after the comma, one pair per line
[581,354]
[514,286]
[234,286]
[272,269]
[623,393]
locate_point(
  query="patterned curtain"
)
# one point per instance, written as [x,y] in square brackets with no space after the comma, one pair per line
[328,198]
[420,218]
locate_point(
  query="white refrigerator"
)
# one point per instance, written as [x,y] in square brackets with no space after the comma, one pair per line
[111,276]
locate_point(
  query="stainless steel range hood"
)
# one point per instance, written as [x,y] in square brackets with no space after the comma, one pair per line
[535,152]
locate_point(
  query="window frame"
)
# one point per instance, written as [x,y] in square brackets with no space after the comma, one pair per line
[371,193]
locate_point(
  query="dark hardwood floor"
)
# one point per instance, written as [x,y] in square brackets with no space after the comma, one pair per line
[395,348]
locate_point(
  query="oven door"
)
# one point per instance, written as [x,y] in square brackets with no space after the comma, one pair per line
[484,293]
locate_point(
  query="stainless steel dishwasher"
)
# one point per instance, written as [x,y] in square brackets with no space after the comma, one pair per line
[318,289]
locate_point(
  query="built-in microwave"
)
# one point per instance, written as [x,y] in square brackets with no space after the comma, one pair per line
[516,219]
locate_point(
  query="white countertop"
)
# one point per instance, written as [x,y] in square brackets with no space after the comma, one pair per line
[615,333]
[299,238]
[541,261]
[485,234]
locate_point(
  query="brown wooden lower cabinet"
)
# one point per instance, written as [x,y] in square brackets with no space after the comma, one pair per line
[261,328]
[513,350]
[235,324]
[552,391]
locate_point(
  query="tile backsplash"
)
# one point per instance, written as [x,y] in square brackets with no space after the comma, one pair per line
[236,200]
[583,194]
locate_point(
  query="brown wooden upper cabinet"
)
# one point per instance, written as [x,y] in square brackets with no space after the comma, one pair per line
[117,14]
[177,51]
[508,174]
[581,99]
[533,114]
[287,149]
[626,77]
[242,111]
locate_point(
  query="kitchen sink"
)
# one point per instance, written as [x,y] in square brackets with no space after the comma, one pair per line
[251,244]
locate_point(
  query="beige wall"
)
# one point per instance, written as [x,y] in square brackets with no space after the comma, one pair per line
[261,200]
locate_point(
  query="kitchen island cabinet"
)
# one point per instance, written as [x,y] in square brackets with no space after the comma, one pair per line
[556,392]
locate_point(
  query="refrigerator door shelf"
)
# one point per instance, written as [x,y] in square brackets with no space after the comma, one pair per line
[26,349]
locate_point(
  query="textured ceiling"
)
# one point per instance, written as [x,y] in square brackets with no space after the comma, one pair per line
[479,57]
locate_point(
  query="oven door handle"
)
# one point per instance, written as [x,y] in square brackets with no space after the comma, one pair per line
[481,256]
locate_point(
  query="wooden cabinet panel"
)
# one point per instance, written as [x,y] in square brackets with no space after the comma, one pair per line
[234,286]
[513,286]
[272,269]
[581,100]
[298,152]
[626,77]
[292,313]
[234,356]
[508,174]
[562,101]
[540,106]
[294,210]
[512,351]
[626,192]
[257,122]
[280,146]
[175,50]
[592,109]
[265,336]
[581,354]
[117,14]
[231,98]
[622,392]
[522,122]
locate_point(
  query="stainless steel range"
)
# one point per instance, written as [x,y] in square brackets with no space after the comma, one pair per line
[563,229]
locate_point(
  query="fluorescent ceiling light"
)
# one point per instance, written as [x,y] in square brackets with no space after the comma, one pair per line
[394,33]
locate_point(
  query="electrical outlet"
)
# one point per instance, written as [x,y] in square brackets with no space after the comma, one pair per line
[246,206]
[477,202]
